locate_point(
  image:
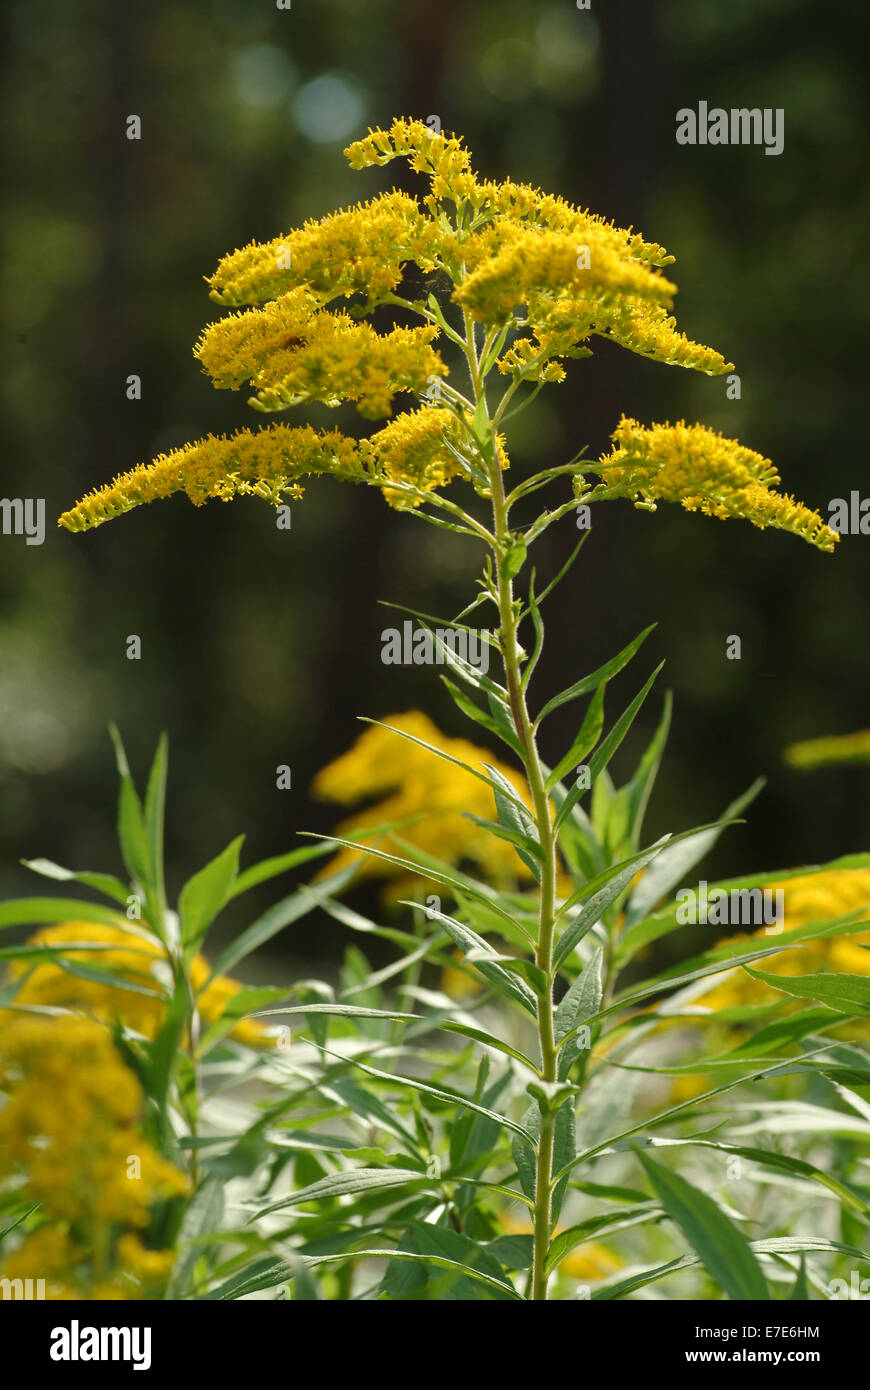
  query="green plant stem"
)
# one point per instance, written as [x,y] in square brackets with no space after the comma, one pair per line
[512,657]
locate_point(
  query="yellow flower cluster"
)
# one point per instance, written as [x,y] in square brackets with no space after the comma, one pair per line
[534,267]
[291,354]
[843,748]
[807,898]
[697,467]
[520,202]
[359,250]
[431,794]
[575,273]
[70,1140]
[136,957]
[266,463]
[552,274]
[69,1125]
[441,157]
[411,450]
[269,463]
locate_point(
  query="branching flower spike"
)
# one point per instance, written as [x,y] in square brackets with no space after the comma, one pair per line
[525,281]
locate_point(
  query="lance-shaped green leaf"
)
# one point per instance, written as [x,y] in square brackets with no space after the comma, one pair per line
[595,898]
[564,1150]
[280,1273]
[107,884]
[153,812]
[514,816]
[582,1002]
[781,1245]
[439,1093]
[485,961]
[634,797]
[491,722]
[591,682]
[672,867]
[427,1238]
[203,1214]
[277,864]
[501,785]
[427,867]
[733,953]
[276,918]
[352,1181]
[203,895]
[132,831]
[605,751]
[848,994]
[528,849]
[723,1250]
[588,736]
[22,912]
[778,1163]
[665,920]
[597,1226]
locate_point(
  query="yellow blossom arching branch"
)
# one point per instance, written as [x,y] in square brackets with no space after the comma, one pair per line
[290,352]
[703,471]
[407,461]
[359,250]
[265,463]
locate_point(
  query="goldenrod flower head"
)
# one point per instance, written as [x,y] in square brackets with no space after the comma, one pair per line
[442,157]
[551,275]
[290,354]
[412,450]
[266,463]
[412,782]
[817,897]
[648,329]
[150,1268]
[359,250]
[44,1252]
[133,955]
[522,203]
[534,267]
[807,898]
[69,1125]
[842,748]
[705,472]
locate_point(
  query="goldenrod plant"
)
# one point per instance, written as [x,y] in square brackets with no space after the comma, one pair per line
[539,1116]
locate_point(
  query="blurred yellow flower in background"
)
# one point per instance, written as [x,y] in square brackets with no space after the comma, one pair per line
[68,1128]
[135,955]
[414,783]
[807,898]
[834,748]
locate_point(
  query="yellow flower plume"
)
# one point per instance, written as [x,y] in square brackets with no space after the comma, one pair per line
[703,471]
[264,463]
[290,353]
[359,250]
[406,459]
[550,275]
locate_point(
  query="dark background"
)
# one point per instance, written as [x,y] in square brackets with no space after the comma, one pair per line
[261,647]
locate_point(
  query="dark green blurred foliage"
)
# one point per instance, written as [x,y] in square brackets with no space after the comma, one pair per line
[260,646]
